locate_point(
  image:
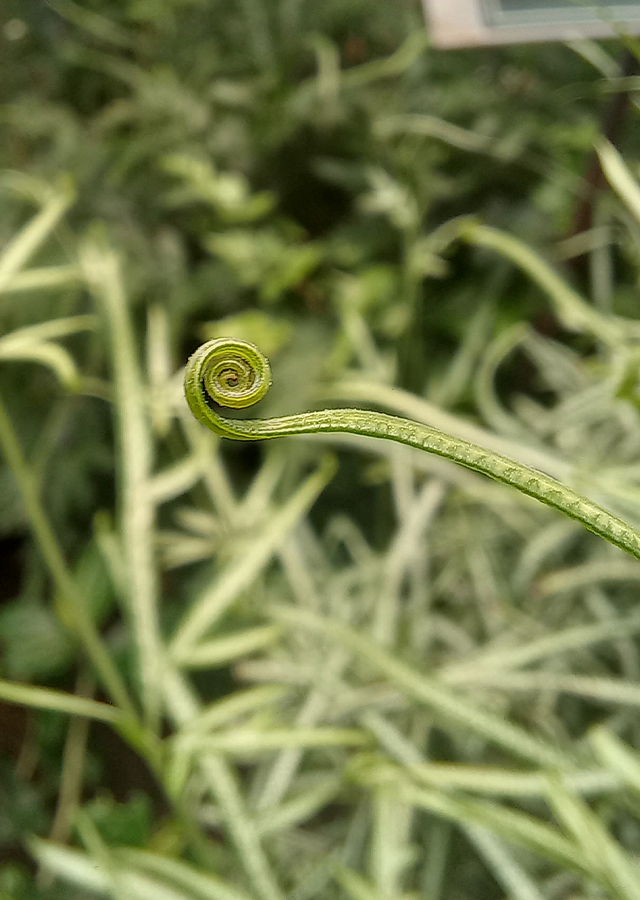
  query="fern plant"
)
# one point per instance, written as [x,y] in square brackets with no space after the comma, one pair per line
[372,680]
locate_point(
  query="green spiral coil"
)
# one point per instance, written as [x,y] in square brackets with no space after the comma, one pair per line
[232,373]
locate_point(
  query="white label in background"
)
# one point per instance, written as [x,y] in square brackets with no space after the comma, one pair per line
[467,23]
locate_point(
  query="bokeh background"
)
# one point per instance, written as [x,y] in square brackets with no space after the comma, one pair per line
[328,667]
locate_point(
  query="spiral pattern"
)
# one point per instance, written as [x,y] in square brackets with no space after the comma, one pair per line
[234,373]
[230,372]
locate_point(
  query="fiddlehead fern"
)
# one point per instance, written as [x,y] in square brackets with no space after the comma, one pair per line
[234,373]
[228,372]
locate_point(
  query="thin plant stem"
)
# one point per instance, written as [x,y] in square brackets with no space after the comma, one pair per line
[136,500]
[77,619]
[234,373]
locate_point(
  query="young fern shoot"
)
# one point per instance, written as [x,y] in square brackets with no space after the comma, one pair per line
[233,373]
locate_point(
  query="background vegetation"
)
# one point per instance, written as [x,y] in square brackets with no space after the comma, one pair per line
[321,668]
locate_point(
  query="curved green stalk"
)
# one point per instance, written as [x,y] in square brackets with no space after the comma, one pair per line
[234,373]
[73,604]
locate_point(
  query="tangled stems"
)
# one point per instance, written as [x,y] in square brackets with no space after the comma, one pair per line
[234,373]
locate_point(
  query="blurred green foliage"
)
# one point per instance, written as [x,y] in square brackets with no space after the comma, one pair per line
[298,174]
[286,153]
